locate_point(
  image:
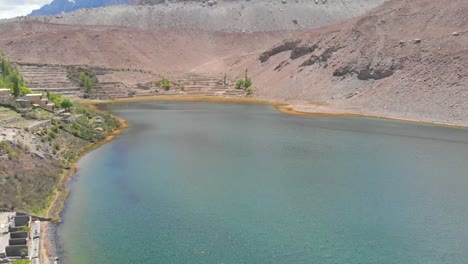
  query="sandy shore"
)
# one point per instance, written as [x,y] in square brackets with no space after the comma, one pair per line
[293,108]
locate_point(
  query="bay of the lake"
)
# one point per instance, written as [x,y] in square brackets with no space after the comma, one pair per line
[243,183]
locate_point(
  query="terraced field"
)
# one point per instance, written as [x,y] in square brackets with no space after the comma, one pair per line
[41,78]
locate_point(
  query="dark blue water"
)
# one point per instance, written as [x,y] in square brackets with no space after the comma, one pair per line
[242,183]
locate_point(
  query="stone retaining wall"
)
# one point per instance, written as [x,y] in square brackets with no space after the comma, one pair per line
[41,124]
[10,120]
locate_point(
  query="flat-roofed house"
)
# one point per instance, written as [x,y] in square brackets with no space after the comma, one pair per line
[44,102]
[23,102]
[4,91]
[33,98]
[49,106]
[4,94]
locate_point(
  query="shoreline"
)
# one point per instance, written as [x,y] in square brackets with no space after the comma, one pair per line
[48,241]
[289,109]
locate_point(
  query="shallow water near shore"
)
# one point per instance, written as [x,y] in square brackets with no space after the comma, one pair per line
[244,183]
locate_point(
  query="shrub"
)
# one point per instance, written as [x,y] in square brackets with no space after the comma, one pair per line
[21,261]
[240,84]
[66,103]
[55,98]
[244,83]
[247,82]
[86,82]
[165,84]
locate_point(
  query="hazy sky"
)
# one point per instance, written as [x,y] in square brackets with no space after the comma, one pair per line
[13,8]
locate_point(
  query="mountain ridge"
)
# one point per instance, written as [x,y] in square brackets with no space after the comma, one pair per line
[65,6]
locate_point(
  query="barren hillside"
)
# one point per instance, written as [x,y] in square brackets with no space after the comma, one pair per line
[161,51]
[180,36]
[230,16]
[406,59]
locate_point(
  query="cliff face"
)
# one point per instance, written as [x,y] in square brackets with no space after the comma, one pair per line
[65,6]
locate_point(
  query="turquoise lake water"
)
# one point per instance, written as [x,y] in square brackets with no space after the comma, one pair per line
[243,183]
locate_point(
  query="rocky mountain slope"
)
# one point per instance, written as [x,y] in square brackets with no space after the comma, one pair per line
[230,16]
[165,38]
[65,6]
[160,51]
[406,59]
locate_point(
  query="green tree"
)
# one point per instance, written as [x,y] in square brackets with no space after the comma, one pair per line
[6,65]
[165,84]
[15,80]
[55,98]
[247,82]
[11,77]
[66,103]
[240,84]
[86,82]
[48,94]
[244,83]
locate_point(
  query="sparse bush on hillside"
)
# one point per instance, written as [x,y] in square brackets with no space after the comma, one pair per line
[247,82]
[83,76]
[86,82]
[9,150]
[56,99]
[165,84]
[244,83]
[67,104]
[240,84]
[182,86]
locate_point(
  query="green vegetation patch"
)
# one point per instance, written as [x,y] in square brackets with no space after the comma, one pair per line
[11,78]
[245,84]
[21,261]
[6,148]
[83,76]
[164,84]
[28,181]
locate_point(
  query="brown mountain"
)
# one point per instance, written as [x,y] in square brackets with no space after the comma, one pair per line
[403,59]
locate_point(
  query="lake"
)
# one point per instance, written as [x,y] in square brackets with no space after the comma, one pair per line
[244,183]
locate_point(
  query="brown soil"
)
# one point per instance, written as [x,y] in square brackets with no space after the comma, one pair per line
[401,59]
[160,51]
